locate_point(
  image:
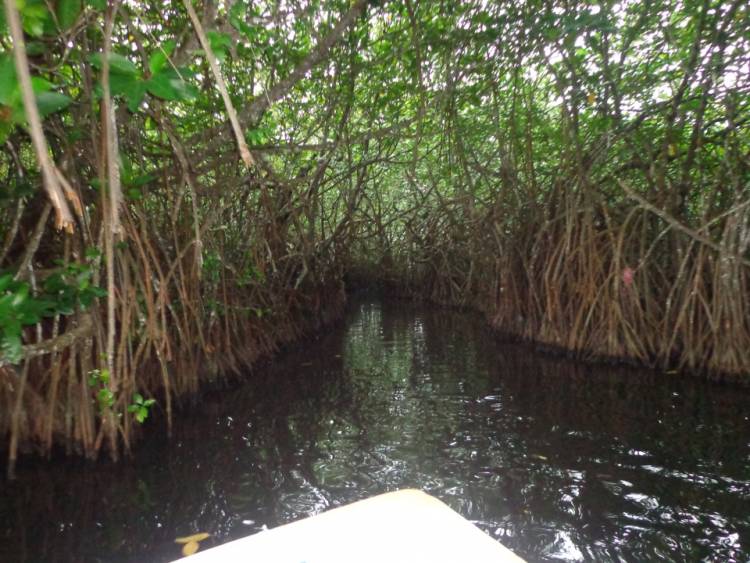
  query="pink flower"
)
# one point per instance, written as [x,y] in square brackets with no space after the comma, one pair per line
[627,276]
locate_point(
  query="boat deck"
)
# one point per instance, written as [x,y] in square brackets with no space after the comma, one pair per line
[402,526]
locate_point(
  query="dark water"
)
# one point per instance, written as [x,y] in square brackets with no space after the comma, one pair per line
[557,460]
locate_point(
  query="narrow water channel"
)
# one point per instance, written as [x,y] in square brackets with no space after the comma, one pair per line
[559,461]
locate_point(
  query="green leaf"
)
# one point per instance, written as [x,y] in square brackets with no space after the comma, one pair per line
[50,102]
[5,281]
[137,398]
[135,96]
[167,86]
[39,84]
[11,346]
[20,296]
[160,85]
[237,14]
[92,253]
[117,63]
[219,40]
[129,86]
[142,180]
[34,18]
[8,80]
[220,43]
[159,58]
[141,415]
[105,397]
[5,128]
[67,13]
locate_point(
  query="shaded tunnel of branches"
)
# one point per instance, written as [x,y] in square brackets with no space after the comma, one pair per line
[184,189]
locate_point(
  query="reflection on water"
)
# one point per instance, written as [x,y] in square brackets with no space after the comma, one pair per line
[557,460]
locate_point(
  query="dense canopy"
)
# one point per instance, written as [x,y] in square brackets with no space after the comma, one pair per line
[185,186]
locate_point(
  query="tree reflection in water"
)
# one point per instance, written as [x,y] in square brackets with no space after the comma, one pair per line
[558,460]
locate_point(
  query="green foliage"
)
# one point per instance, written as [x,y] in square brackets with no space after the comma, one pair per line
[422,116]
[68,12]
[117,64]
[35,17]
[168,84]
[133,179]
[239,14]
[11,105]
[251,274]
[160,56]
[165,82]
[220,44]
[66,288]
[99,381]
[259,135]
[70,286]
[212,266]
[17,310]
[140,407]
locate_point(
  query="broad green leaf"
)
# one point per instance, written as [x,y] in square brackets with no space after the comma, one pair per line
[159,57]
[5,281]
[117,63]
[8,80]
[39,84]
[161,86]
[67,13]
[131,87]
[142,180]
[34,17]
[135,96]
[167,86]
[50,102]
[6,306]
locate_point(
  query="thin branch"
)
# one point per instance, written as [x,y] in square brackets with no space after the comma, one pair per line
[254,111]
[247,158]
[85,329]
[50,174]
[33,244]
[679,226]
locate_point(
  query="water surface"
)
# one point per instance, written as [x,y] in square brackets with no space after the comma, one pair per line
[559,461]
